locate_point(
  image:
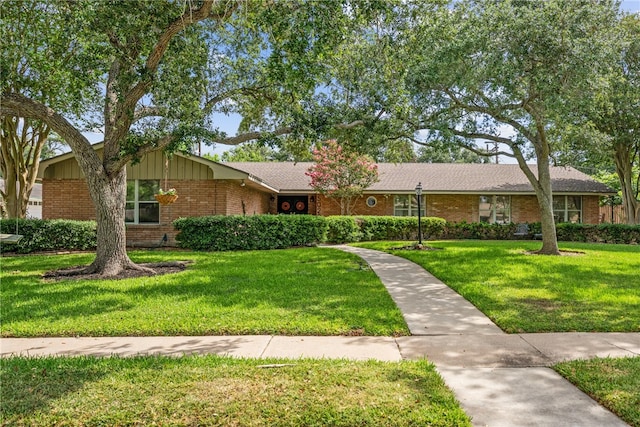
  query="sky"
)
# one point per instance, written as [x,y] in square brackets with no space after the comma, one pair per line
[632,6]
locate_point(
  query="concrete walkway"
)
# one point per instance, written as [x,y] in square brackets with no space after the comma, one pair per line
[500,379]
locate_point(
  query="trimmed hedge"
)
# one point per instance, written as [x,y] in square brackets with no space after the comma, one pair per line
[481,231]
[49,235]
[345,229]
[342,229]
[600,233]
[223,233]
[239,232]
[567,232]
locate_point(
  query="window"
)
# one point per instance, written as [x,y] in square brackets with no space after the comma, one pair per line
[371,201]
[567,208]
[495,209]
[407,205]
[142,207]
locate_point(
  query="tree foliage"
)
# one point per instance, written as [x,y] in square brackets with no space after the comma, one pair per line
[340,174]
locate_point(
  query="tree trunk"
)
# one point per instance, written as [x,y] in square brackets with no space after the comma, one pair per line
[542,187]
[624,170]
[109,197]
[547,221]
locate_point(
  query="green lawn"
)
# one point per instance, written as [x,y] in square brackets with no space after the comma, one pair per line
[209,390]
[597,289]
[307,291]
[615,383]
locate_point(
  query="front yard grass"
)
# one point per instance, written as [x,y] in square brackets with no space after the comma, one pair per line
[615,383]
[306,291]
[217,391]
[594,288]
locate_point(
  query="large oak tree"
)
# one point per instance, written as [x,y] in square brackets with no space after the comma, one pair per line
[161,69]
[508,72]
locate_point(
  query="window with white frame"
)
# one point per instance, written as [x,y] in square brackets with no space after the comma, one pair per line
[495,209]
[142,207]
[407,205]
[567,208]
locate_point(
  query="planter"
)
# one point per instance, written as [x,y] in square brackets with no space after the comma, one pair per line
[166,199]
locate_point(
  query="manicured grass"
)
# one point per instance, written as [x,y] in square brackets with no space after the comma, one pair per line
[615,383]
[597,289]
[307,291]
[210,390]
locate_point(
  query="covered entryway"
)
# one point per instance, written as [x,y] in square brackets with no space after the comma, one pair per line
[293,204]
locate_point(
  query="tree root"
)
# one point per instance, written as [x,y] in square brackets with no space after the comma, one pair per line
[128,271]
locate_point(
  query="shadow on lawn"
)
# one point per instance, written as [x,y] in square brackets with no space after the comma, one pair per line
[30,384]
[318,292]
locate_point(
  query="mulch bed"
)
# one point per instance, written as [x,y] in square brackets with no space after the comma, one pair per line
[74,273]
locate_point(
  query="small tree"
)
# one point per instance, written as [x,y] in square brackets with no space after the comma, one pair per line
[341,175]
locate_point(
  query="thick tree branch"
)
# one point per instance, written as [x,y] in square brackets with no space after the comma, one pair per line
[142,150]
[148,111]
[495,112]
[250,136]
[353,124]
[18,105]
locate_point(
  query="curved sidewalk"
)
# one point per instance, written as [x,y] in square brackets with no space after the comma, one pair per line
[500,379]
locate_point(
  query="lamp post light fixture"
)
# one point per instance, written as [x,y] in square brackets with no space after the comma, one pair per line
[419,195]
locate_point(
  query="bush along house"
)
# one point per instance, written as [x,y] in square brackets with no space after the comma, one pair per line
[494,193]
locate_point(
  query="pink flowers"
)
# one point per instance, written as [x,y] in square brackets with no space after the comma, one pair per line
[340,174]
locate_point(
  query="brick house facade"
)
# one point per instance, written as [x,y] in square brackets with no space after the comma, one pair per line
[470,192]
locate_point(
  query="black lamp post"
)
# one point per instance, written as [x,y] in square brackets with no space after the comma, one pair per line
[419,194]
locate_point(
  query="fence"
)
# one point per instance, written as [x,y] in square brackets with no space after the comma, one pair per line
[612,214]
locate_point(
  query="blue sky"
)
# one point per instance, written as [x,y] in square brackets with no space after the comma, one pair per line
[631,5]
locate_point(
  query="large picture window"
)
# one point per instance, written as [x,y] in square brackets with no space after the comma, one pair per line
[495,209]
[407,205]
[567,208]
[142,207]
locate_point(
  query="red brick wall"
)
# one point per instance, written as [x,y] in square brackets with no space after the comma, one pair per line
[453,207]
[69,199]
[459,207]
[524,209]
[242,200]
[384,205]
[66,198]
[590,209]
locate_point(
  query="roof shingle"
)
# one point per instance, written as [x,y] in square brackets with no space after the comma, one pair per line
[435,178]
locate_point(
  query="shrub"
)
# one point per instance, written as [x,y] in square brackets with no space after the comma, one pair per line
[49,235]
[569,232]
[398,228]
[343,229]
[479,230]
[239,232]
[601,233]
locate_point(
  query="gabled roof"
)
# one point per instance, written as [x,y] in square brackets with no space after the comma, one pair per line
[435,178]
[220,170]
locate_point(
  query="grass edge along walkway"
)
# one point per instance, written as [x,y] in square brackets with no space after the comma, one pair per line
[592,289]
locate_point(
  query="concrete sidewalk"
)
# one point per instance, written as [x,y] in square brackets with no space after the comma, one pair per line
[446,351]
[500,379]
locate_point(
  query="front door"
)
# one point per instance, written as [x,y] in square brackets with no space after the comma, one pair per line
[293,204]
